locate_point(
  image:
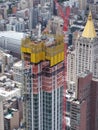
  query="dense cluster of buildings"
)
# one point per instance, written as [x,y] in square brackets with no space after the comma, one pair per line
[48,77]
[11,110]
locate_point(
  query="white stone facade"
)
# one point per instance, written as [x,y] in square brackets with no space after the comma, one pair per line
[71,71]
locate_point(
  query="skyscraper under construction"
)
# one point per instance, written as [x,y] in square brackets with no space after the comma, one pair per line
[43,63]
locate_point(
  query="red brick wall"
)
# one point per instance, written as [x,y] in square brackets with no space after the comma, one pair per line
[83,110]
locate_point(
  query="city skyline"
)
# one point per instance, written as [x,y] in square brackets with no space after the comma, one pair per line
[48,65]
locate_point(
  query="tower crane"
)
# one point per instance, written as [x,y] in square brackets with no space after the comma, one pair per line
[62,15]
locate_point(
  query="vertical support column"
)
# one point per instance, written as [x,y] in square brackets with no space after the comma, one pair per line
[39,99]
[58,107]
[52,104]
[32,98]
[55,98]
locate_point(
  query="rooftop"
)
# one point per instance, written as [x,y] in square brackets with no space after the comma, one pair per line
[12,35]
[8,116]
[84,74]
[9,88]
[89,30]
[6,94]
[18,64]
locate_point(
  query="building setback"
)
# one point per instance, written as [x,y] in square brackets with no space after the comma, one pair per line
[43,63]
[80,112]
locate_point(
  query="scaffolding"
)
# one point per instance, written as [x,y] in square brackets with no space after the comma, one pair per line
[40,51]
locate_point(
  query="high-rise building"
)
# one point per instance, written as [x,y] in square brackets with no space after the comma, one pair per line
[43,63]
[82,4]
[80,107]
[94,105]
[55,25]
[17,72]
[87,49]
[12,120]
[84,108]
[35,12]
[71,71]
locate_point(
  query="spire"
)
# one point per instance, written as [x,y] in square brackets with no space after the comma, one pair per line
[89,30]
